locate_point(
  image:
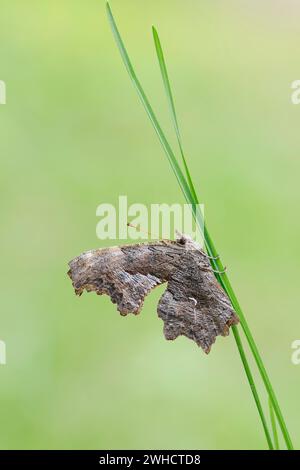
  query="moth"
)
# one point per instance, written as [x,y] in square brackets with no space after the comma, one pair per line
[193,304]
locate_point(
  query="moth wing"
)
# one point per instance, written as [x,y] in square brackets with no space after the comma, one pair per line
[194,305]
[114,271]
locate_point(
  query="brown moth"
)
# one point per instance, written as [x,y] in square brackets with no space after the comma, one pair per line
[193,304]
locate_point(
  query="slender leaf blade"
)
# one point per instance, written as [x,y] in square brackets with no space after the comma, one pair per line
[167,148]
[216,262]
[274,426]
[167,85]
[209,244]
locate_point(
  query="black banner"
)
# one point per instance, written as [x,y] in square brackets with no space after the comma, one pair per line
[132,459]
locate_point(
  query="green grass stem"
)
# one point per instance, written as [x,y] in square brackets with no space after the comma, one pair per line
[190,195]
[274,426]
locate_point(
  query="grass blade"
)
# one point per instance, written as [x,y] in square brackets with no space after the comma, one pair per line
[217,264]
[259,362]
[252,385]
[169,152]
[166,81]
[274,427]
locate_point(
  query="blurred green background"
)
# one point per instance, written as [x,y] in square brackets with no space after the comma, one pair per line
[73,135]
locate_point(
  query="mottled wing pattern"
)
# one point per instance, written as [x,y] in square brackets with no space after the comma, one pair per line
[107,271]
[193,304]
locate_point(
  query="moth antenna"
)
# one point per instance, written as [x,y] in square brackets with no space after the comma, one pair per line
[141,230]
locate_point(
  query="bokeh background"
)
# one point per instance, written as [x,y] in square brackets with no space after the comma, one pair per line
[72,135]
